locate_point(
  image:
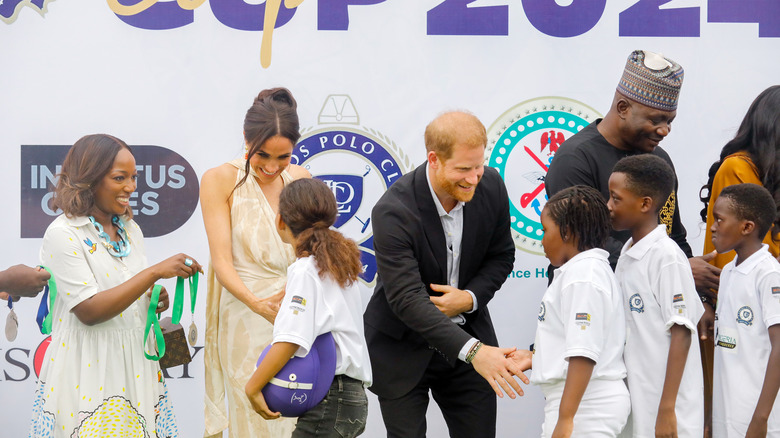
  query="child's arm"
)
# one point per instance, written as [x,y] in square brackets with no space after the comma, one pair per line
[666,422]
[577,378]
[766,400]
[277,357]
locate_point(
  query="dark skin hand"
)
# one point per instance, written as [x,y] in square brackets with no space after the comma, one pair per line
[23,281]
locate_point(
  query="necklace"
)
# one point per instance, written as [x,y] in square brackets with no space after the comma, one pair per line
[116,249]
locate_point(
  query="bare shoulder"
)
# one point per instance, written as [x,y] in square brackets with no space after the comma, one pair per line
[298,172]
[219,179]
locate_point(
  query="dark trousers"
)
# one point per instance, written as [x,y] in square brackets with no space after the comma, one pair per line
[466,400]
[341,414]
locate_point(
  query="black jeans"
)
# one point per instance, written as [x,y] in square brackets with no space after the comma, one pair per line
[341,414]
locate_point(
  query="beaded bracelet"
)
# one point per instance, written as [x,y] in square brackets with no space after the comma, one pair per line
[473,351]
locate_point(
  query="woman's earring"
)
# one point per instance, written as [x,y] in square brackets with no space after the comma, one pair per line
[246,152]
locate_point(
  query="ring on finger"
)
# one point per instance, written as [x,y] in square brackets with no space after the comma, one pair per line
[188,262]
[160,305]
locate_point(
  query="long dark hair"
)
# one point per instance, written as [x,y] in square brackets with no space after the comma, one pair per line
[580,213]
[308,207]
[759,137]
[85,165]
[272,113]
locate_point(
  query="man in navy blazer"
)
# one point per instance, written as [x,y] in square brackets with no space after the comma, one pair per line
[443,247]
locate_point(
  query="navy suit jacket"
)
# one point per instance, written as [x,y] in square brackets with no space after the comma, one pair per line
[403,327]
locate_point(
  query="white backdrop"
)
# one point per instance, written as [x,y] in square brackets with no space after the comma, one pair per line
[71,68]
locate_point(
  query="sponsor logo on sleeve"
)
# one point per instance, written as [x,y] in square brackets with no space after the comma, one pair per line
[678,303]
[582,320]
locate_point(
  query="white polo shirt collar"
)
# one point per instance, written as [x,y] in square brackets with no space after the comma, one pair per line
[746,266]
[638,250]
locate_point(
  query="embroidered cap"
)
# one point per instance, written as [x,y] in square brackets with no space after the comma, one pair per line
[652,80]
[303,381]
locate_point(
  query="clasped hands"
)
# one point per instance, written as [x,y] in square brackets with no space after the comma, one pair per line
[496,365]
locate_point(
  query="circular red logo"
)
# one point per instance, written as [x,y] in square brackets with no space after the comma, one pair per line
[40,352]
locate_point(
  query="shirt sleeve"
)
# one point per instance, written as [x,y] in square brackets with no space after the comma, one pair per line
[64,254]
[584,308]
[296,322]
[677,296]
[769,294]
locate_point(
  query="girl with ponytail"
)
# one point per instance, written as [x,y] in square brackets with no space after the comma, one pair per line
[321,296]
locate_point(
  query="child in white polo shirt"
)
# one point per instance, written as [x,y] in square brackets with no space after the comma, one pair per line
[660,302]
[747,323]
[321,296]
[578,354]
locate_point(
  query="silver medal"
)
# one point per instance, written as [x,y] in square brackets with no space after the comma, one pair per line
[11,326]
[192,334]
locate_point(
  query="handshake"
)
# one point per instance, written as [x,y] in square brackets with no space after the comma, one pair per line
[499,366]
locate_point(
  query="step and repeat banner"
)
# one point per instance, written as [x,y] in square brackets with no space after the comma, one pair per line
[175,78]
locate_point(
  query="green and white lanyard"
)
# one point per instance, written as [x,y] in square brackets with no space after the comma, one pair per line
[178,305]
[153,318]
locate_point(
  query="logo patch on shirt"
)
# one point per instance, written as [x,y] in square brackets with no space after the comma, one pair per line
[542,312]
[775,290]
[582,320]
[635,304]
[745,315]
[298,304]
[726,341]
[93,246]
[678,302]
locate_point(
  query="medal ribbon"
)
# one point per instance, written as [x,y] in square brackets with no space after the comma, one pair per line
[153,322]
[178,299]
[47,303]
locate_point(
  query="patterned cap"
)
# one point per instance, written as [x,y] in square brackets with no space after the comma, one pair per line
[652,80]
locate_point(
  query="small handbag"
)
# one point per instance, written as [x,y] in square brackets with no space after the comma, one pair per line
[177,352]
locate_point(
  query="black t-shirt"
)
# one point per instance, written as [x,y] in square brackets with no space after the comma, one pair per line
[587,158]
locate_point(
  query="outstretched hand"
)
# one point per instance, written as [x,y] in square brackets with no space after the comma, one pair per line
[493,364]
[23,281]
[522,359]
[180,265]
[705,275]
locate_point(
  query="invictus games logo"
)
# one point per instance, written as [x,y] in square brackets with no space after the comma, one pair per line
[521,145]
[542,311]
[357,163]
[165,197]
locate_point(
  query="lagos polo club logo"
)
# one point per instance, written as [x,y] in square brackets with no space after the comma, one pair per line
[357,163]
[165,197]
[521,145]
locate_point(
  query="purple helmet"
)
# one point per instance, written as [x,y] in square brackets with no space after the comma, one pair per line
[304,381]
